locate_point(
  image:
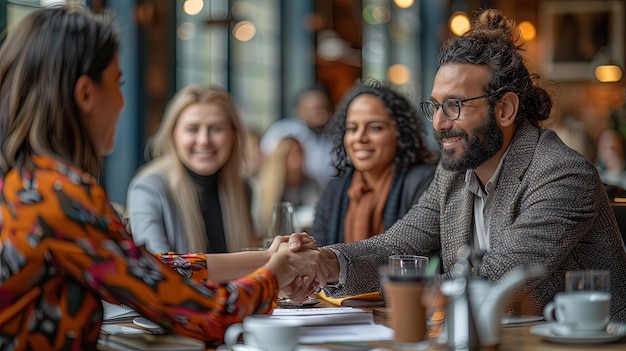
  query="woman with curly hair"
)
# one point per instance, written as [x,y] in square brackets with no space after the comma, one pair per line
[383,165]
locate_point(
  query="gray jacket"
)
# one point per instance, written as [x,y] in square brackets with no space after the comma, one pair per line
[549,207]
[155,220]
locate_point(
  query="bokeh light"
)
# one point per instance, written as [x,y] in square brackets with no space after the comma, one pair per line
[193,7]
[459,23]
[608,73]
[375,14]
[403,4]
[186,30]
[244,31]
[398,74]
[528,30]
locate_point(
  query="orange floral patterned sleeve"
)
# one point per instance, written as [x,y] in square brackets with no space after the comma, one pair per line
[63,249]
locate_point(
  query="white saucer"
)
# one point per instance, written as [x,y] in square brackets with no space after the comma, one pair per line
[517,320]
[547,332]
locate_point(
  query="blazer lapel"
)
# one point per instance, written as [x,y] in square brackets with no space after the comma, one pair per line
[516,162]
[457,221]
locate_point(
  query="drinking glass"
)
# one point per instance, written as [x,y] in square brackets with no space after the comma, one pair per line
[281,222]
[407,265]
[588,280]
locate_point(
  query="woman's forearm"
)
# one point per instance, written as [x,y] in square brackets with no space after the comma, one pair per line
[229,266]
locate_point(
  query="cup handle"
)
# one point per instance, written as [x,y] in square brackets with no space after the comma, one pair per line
[549,312]
[232,334]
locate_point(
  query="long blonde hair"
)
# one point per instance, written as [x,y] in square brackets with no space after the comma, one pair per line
[273,178]
[234,198]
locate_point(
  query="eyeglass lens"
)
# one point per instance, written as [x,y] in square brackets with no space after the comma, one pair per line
[451,108]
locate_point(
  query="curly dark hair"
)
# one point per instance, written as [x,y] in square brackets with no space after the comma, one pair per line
[494,42]
[411,148]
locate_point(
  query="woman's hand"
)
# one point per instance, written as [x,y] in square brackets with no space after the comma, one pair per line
[297,242]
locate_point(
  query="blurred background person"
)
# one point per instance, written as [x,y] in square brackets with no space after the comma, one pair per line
[192,197]
[252,156]
[610,158]
[312,113]
[64,249]
[383,162]
[282,179]
[574,134]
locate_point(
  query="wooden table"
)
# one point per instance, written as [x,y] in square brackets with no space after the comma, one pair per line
[512,339]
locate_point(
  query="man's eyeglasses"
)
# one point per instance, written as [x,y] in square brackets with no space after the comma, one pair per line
[451,107]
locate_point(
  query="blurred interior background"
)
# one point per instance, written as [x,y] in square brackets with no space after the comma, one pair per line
[265,51]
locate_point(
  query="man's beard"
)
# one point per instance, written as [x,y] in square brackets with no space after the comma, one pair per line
[486,140]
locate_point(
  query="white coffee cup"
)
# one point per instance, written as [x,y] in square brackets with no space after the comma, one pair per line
[580,310]
[264,332]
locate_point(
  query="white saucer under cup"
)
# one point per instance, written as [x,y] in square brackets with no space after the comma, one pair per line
[550,332]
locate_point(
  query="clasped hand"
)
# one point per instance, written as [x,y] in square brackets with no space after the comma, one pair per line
[300,274]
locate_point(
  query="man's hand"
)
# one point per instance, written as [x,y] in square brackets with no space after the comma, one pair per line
[295,271]
[327,271]
[325,263]
[328,265]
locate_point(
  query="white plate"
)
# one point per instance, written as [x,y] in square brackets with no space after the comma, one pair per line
[516,320]
[547,332]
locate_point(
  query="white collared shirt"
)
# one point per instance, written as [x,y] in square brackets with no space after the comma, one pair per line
[483,200]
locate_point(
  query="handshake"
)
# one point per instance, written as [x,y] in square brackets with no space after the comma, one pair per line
[300,266]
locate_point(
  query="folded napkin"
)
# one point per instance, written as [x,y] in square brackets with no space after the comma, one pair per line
[372,299]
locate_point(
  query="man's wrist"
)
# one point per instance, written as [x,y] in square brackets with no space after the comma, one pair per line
[331,265]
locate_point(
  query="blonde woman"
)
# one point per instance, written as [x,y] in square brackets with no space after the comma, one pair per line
[191,197]
[282,178]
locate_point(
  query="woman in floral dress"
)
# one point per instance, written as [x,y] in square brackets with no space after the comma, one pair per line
[62,247]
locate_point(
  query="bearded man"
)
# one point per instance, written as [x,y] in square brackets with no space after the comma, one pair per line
[503,184]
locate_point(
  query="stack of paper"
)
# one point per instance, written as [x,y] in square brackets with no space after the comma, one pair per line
[146,341]
[341,324]
[118,313]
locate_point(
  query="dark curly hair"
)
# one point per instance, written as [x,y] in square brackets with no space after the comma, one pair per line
[411,148]
[494,42]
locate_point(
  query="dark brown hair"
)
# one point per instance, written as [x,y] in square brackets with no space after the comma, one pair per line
[40,62]
[495,42]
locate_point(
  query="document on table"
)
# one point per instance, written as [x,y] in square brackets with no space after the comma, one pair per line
[341,324]
[118,313]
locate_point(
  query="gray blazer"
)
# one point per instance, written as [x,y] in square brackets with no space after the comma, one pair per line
[154,217]
[549,207]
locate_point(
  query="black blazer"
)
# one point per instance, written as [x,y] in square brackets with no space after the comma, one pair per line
[406,189]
